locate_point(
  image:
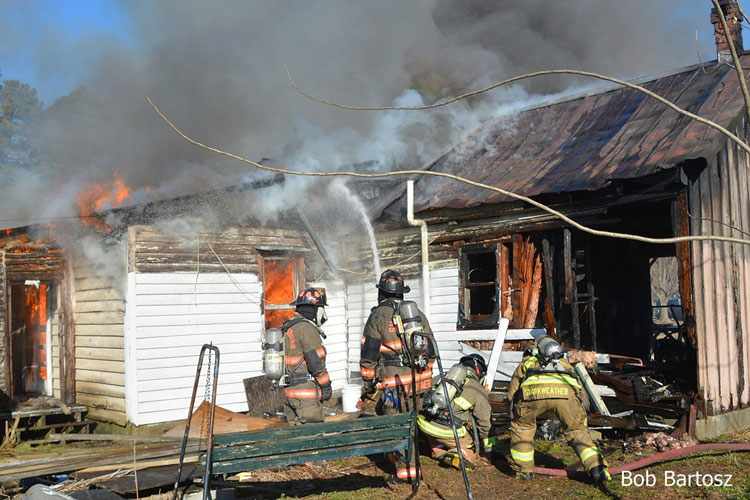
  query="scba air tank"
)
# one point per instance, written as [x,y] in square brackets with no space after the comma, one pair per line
[454,380]
[273,354]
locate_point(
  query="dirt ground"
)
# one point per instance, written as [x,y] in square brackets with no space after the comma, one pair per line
[363,479]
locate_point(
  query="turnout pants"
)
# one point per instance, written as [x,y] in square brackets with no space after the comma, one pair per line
[393,401]
[305,409]
[571,414]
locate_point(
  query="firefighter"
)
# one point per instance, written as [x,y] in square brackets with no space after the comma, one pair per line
[384,360]
[305,359]
[469,402]
[544,381]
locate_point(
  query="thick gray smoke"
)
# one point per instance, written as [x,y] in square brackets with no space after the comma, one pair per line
[217,70]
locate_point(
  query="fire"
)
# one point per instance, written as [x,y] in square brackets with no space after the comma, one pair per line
[279,290]
[44,236]
[97,197]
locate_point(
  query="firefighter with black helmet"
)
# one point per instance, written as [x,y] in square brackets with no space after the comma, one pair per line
[385,362]
[470,403]
[545,381]
[305,359]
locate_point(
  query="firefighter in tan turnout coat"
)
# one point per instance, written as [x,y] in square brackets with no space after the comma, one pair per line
[469,401]
[305,359]
[544,381]
[384,362]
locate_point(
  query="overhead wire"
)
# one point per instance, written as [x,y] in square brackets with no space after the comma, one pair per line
[412,173]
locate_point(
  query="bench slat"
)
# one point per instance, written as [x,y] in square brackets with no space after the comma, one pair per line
[301,444]
[311,431]
[311,456]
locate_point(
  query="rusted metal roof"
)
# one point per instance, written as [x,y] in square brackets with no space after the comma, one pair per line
[585,143]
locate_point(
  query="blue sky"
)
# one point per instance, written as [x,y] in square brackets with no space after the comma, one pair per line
[35,26]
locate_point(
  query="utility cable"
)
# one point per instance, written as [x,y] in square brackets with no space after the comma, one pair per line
[556,213]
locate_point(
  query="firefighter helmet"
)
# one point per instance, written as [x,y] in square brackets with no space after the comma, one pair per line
[392,282]
[312,296]
[476,362]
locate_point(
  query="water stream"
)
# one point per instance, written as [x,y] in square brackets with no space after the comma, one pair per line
[362,211]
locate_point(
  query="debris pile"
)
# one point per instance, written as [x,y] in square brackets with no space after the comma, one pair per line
[659,441]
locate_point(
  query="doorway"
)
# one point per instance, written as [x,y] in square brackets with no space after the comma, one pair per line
[30,338]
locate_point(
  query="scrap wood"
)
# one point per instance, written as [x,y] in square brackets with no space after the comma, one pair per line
[532,309]
[620,386]
[225,422]
[111,437]
[71,462]
[152,477]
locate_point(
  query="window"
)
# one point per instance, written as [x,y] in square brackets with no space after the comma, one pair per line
[479,304]
[283,278]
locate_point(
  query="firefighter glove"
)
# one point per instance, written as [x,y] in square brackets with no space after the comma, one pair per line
[326,392]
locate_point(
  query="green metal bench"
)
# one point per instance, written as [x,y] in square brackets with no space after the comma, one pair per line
[245,451]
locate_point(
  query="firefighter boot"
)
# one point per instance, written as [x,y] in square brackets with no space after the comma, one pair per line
[600,474]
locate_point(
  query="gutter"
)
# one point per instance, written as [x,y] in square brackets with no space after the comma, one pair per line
[425,255]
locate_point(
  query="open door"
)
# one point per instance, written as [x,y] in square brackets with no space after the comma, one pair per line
[29,339]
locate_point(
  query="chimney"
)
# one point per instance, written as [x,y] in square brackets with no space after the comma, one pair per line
[734,22]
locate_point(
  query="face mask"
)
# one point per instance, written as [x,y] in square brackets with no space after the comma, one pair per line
[321,316]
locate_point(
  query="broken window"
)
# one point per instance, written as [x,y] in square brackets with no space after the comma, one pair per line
[479,297]
[283,278]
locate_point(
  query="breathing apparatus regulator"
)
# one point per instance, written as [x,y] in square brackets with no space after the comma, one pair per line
[408,321]
[273,356]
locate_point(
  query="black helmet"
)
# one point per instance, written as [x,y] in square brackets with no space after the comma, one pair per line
[312,296]
[392,282]
[476,362]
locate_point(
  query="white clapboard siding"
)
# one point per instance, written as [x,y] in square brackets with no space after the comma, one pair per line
[336,333]
[169,317]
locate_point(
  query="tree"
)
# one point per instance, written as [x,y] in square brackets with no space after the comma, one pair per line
[20,109]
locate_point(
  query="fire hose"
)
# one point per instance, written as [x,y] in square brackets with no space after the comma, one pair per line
[639,464]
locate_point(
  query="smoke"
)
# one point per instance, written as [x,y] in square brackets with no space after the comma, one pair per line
[218,72]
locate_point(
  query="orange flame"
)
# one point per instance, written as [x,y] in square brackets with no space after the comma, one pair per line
[279,290]
[97,197]
[22,242]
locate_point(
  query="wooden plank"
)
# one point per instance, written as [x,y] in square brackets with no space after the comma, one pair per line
[100,341]
[253,464]
[110,330]
[102,402]
[101,365]
[313,430]
[107,415]
[100,353]
[99,377]
[300,445]
[94,306]
[96,389]
[100,318]
[719,291]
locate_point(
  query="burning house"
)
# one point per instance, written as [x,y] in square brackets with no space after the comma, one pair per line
[123,339]
[614,160]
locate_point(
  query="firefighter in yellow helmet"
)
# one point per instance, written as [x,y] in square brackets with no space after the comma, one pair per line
[384,360]
[469,401]
[544,381]
[305,359]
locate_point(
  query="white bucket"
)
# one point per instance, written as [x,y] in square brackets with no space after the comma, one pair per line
[350,395]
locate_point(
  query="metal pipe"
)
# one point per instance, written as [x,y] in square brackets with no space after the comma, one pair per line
[425,251]
[431,338]
[318,243]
